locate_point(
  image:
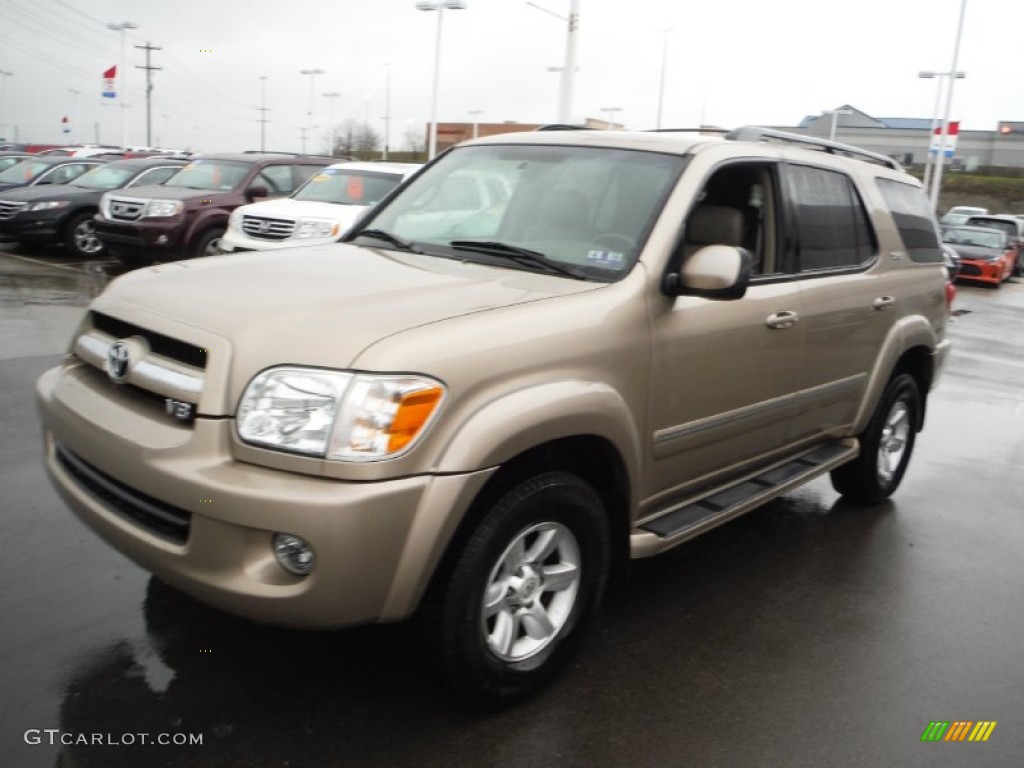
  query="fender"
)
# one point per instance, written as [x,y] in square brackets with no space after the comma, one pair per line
[907,333]
[532,416]
[204,220]
[492,435]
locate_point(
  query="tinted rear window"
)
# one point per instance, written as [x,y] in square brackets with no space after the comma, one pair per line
[833,226]
[914,219]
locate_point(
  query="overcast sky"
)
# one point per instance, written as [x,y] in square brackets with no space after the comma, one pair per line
[738,62]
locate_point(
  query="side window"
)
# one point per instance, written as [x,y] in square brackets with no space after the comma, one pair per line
[154,176]
[737,206]
[914,220]
[277,179]
[831,224]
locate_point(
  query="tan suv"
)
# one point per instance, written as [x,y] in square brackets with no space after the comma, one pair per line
[477,413]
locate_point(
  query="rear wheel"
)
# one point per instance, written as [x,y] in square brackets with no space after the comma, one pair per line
[885,446]
[80,237]
[521,590]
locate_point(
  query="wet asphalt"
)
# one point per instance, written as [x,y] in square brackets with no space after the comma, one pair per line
[812,632]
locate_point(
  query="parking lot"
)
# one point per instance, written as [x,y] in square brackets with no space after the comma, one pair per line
[812,632]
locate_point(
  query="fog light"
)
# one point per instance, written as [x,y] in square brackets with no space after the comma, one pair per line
[293,553]
[162,240]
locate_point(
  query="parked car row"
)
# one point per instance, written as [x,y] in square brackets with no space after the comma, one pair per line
[163,207]
[990,247]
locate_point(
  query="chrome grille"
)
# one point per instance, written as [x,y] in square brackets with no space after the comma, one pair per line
[267,229]
[120,209]
[8,208]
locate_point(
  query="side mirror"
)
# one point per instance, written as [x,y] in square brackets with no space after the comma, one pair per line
[712,272]
[254,192]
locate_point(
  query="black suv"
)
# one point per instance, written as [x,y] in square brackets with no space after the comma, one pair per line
[187,215]
[64,213]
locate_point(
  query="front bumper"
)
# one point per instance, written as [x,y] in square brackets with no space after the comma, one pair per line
[152,235]
[376,543]
[982,271]
[234,241]
[31,227]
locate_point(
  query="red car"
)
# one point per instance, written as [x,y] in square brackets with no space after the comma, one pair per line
[985,254]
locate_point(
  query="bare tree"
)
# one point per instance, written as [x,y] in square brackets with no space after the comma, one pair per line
[415,140]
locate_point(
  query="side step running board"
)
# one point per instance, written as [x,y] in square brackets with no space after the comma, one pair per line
[695,516]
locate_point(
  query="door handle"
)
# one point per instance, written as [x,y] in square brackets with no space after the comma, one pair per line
[883,302]
[784,319]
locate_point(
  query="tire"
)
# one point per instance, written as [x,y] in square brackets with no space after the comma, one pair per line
[80,237]
[885,446]
[540,556]
[208,243]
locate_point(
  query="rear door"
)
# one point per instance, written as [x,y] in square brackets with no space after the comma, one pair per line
[848,303]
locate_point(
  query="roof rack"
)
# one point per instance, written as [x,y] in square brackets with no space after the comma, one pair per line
[754,133]
[688,130]
[562,127]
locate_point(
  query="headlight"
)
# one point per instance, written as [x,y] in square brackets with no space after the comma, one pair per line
[336,414]
[316,228]
[160,208]
[235,220]
[50,204]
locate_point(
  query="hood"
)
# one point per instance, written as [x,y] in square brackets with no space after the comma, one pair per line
[52,192]
[288,208]
[318,306]
[159,191]
[976,252]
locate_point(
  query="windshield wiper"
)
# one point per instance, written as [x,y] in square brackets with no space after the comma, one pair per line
[514,252]
[387,237]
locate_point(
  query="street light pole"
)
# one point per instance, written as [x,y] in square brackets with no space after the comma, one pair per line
[309,114]
[569,66]
[476,121]
[661,81]
[835,114]
[330,119]
[439,6]
[929,166]
[611,115]
[387,111]
[74,114]
[940,157]
[121,27]
[263,113]
[4,74]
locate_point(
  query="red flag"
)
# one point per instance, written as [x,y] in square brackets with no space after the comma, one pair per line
[111,73]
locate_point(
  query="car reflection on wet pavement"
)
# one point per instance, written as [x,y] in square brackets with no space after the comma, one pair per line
[812,632]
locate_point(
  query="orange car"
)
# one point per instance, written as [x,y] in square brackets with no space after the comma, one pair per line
[985,254]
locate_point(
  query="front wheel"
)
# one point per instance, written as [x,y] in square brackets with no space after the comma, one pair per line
[208,243]
[81,239]
[521,590]
[885,446]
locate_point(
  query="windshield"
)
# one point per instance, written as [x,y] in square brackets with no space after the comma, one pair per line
[7,162]
[1009,227]
[26,171]
[344,187]
[105,177]
[583,208]
[978,237]
[210,174]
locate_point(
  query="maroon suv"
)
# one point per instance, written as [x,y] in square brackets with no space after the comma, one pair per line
[187,215]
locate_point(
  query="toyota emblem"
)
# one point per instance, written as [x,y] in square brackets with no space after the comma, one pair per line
[117,362]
